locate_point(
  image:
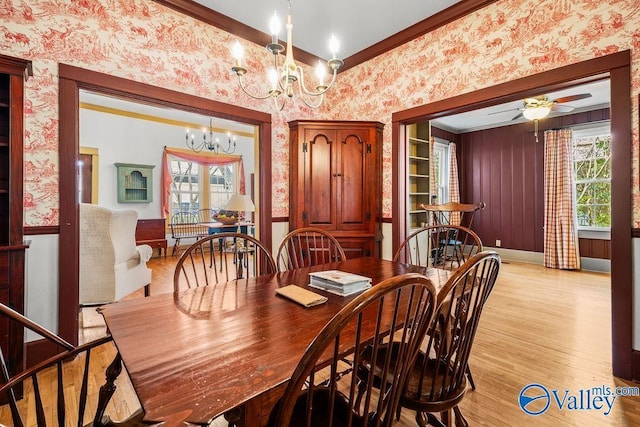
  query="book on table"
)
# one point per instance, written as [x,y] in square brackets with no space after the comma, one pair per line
[339,282]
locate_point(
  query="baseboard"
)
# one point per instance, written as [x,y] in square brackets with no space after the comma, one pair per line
[587,264]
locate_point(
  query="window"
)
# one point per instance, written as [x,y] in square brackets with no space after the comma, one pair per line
[192,191]
[441,170]
[592,166]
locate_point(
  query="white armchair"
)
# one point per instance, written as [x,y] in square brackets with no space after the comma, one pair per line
[111,265]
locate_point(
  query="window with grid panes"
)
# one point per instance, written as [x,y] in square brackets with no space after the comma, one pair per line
[592,166]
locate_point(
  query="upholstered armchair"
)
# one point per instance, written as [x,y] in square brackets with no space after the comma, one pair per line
[111,265]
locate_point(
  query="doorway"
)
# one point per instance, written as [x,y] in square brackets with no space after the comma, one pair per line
[72,80]
[617,68]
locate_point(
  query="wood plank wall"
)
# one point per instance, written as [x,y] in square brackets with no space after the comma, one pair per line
[503,167]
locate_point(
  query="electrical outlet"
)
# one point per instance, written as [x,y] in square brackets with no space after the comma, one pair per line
[498,243]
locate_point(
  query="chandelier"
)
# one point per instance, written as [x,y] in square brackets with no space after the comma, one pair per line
[210,144]
[288,78]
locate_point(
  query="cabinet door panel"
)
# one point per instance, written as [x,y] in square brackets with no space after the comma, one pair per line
[351,180]
[320,155]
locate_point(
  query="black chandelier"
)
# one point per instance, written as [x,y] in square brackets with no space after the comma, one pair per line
[210,143]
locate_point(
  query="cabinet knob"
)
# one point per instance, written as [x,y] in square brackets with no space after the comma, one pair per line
[337,174]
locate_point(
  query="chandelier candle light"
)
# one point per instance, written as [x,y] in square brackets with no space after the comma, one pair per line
[210,144]
[283,77]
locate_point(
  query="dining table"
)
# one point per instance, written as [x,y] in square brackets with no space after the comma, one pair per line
[228,349]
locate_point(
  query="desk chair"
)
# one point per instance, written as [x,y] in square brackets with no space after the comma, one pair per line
[308,246]
[317,395]
[59,390]
[436,382]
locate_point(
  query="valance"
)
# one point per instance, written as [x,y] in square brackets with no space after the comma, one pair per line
[204,159]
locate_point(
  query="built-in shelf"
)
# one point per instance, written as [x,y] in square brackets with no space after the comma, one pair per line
[418,183]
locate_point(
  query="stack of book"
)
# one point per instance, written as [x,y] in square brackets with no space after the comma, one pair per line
[339,282]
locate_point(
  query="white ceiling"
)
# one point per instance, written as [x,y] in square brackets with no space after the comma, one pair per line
[503,114]
[357,24]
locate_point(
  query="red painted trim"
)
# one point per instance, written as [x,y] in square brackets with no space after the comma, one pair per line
[41,230]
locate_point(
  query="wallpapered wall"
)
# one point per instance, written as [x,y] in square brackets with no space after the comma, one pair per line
[143,41]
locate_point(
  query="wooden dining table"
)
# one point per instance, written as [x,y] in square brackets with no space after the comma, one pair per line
[227,348]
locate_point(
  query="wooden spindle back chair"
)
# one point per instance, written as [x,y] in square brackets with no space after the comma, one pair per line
[437,381]
[440,246]
[52,391]
[308,246]
[320,394]
[452,213]
[231,256]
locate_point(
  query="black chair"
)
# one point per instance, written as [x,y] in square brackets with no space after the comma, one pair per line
[436,383]
[53,392]
[319,394]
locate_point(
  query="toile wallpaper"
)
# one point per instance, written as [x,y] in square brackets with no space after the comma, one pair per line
[144,41]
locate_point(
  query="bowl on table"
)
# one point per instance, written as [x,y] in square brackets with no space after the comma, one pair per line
[227,220]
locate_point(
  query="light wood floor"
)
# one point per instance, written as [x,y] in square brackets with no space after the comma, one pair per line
[540,326]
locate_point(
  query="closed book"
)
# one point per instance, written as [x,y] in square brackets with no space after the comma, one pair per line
[342,291]
[337,277]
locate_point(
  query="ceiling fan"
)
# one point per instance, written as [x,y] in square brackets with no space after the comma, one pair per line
[538,107]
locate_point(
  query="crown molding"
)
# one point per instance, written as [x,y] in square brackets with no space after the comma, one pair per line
[223,22]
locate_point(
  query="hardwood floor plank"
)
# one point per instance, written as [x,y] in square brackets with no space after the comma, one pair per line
[539,326]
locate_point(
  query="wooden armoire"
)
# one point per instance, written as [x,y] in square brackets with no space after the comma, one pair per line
[336,181]
[13,72]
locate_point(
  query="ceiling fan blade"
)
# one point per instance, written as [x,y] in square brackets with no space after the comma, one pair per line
[503,111]
[561,108]
[518,116]
[572,98]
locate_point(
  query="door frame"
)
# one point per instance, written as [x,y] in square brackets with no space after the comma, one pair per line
[616,66]
[71,81]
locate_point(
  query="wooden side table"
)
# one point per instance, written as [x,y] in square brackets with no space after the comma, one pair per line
[152,232]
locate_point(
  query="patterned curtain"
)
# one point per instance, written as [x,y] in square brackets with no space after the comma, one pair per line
[560,228]
[454,184]
[206,159]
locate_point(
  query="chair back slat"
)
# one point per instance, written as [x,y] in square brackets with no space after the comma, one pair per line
[34,382]
[308,246]
[320,393]
[221,258]
[452,213]
[440,246]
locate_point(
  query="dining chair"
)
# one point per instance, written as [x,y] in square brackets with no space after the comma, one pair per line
[319,394]
[206,215]
[436,382]
[238,256]
[61,389]
[452,213]
[308,246]
[440,246]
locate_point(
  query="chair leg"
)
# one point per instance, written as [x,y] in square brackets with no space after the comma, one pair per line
[460,420]
[175,246]
[470,378]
